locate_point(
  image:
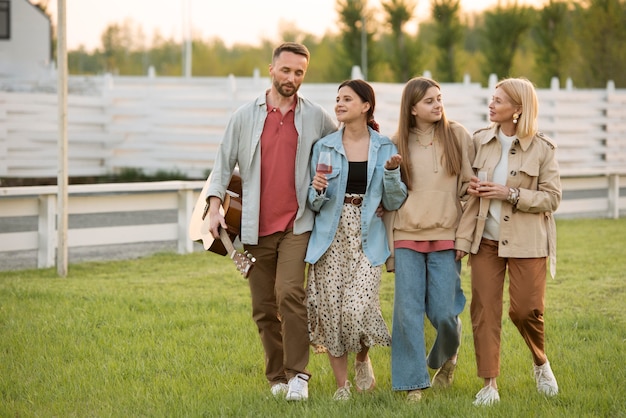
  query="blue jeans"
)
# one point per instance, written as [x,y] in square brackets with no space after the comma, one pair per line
[426,283]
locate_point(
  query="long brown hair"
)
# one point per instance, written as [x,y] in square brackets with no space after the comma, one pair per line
[414,91]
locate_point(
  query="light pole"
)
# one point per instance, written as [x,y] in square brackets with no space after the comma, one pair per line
[62,169]
[363,47]
[187,38]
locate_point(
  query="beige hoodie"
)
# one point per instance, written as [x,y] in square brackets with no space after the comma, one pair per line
[434,204]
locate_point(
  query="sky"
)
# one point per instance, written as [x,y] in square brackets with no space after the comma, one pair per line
[234,21]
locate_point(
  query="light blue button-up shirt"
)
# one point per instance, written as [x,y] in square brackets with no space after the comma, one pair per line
[241,147]
[382,186]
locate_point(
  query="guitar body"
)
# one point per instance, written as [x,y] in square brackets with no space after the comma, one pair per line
[231,210]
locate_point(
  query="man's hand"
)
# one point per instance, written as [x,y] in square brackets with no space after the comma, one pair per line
[215,217]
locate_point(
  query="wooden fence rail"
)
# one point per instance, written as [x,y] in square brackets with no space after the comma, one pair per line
[176,124]
[20,203]
[584,196]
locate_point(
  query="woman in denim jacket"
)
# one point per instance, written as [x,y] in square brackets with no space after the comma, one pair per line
[348,243]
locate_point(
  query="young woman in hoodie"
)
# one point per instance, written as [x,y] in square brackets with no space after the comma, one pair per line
[436,168]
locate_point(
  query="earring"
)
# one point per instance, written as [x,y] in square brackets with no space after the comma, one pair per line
[515,117]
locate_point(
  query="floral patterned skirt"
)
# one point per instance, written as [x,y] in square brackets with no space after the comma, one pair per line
[343,293]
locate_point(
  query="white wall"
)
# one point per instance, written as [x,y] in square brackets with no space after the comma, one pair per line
[27,53]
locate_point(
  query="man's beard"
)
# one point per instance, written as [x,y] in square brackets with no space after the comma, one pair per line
[290,91]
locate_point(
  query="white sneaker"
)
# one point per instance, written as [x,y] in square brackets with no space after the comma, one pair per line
[298,388]
[364,375]
[343,393]
[279,389]
[546,382]
[487,396]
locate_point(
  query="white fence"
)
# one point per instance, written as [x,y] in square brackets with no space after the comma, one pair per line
[595,196]
[40,202]
[175,124]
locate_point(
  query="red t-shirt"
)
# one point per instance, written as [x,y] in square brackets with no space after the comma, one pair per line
[279,143]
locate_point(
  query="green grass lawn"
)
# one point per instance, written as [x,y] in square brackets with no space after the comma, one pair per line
[171,336]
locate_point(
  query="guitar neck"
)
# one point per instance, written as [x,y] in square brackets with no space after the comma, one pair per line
[243,261]
[228,244]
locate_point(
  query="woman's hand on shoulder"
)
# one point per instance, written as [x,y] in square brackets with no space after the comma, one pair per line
[393,162]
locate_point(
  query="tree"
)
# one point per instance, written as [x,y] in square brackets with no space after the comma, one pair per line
[166,56]
[322,68]
[582,40]
[399,13]
[124,49]
[448,36]
[112,47]
[502,33]
[601,36]
[356,38]
[82,62]
[553,46]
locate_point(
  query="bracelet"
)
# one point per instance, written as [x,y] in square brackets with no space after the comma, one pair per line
[513,197]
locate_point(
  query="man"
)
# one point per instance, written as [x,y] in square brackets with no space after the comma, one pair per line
[270,140]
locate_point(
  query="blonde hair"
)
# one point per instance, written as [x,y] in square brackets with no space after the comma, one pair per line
[523,94]
[414,91]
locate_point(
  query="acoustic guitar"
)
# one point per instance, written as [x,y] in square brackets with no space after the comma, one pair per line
[231,210]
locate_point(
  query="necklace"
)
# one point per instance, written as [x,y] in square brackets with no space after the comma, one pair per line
[424,145]
[427,134]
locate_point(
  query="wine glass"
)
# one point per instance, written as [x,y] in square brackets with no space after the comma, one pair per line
[482,177]
[324,166]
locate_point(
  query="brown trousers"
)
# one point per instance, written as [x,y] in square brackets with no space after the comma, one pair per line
[278,303]
[527,284]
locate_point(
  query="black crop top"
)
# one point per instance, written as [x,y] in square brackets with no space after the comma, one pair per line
[357,177]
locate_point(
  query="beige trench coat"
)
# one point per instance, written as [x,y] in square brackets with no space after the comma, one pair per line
[527,230]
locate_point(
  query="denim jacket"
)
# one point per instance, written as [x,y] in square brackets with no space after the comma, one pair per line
[382,186]
[241,146]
